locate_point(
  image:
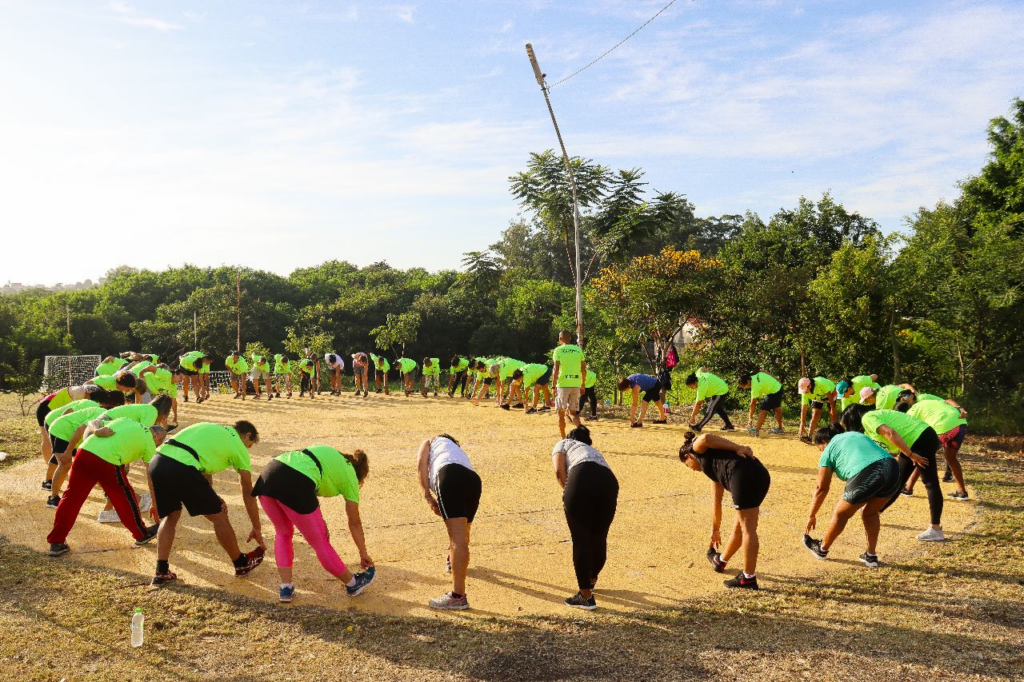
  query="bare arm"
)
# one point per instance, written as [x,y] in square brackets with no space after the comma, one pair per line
[636,401]
[561,474]
[709,441]
[355,527]
[753,408]
[821,488]
[583,375]
[251,507]
[890,435]
[716,516]
[423,466]
[554,373]
[803,417]
[696,409]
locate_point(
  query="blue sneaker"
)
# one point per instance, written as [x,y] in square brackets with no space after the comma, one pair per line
[363,581]
[285,594]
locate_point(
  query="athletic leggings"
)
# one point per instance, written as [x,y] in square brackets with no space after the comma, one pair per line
[715,405]
[459,382]
[86,471]
[312,527]
[591,493]
[589,394]
[926,445]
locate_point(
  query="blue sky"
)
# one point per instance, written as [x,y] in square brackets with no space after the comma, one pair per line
[282,134]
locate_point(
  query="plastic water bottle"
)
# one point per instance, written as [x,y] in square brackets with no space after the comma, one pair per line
[137,620]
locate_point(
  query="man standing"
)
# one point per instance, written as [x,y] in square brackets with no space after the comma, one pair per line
[569,374]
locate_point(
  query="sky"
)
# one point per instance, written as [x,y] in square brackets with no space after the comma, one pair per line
[278,135]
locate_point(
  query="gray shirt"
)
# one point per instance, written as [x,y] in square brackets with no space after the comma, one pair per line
[577,453]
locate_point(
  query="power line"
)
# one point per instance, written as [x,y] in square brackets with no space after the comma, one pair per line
[614,47]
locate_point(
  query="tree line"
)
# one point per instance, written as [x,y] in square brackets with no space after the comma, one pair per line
[813,289]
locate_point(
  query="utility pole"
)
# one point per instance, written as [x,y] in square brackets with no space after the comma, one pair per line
[238,310]
[572,181]
[195,330]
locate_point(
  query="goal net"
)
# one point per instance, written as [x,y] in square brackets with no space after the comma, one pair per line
[60,371]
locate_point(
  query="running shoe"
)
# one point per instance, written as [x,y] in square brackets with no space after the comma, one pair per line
[591,417]
[776,431]
[957,495]
[145,502]
[108,516]
[814,547]
[715,558]
[906,492]
[932,535]
[52,501]
[253,559]
[285,594]
[59,549]
[578,601]
[506,406]
[869,560]
[270,397]
[237,396]
[289,396]
[186,399]
[532,410]
[805,439]
[363,581]
[449,602]
[947,477]
[742,582]
[660,421]
[161,579]
[730,427]
[753,432]
[150,534]
[277,394]
[47,485]
[518,406]
[636,425]
[546,408]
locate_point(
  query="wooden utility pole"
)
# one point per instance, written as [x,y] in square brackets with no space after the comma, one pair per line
[238,310]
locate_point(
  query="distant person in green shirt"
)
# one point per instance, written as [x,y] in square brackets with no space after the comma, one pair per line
[590,393]
[381,367]
[282,375]
[201,382]
[260,376]
[849,390]
[457,376]
[110,366]
[307,377]
[569,374]
[536,376]
[768,390]
[508,390]
[912,399]
[948,421]
[361,373]
[101,459]
[239,368]
[406,368]
[188,367]
[289,489]
[482,383]
[872,479]
[815,393]
[713,390]
[181,474]
[431,375]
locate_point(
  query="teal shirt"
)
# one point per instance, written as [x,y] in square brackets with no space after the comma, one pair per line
[850,453]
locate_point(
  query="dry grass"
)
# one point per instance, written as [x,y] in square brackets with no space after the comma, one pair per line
[944,611]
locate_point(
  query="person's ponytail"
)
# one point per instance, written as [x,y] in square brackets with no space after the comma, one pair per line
[687,447]
[359,462]
[826,433]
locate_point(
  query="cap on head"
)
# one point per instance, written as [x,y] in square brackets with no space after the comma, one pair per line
[842,387]
[804,386]
[866,393]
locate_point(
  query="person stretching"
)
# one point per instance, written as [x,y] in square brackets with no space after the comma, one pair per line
[714,390]
[361,373]
[452,490]
[590,394]
[239,368]
[381,367]
[282,375]
[948,422]
[768,390]
[872,479]
[288,490]
[335,366]
[431,375]
[732,467]
[537,377]
[457,375]
[590,494]
[815,393]
[651,389]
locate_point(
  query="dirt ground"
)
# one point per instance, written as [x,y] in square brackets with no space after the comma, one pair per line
[521,556]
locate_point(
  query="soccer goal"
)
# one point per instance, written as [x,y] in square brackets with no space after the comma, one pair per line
[60,371]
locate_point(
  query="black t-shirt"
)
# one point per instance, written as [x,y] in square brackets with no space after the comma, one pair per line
[745,478]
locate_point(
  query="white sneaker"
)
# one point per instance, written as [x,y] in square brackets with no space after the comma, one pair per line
[932,535]
[145,502]
[108,516]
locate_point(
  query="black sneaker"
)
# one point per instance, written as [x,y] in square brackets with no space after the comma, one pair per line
[531,410]
[742,582]
[253,559]
[869,560]
[814,546]
[237,396]
[59,548]
[730,427]
[578,601]
[544,409]
[47,485]
[52,501]
[906,493]
[947,477]
[186,399]
[659,421]
[956,495]
[636,425]
[518,406]
[506,406]
[148,537]
[161,579]
[805,439]
[715,558]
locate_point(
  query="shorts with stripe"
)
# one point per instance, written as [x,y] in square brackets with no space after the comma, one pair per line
[458,492]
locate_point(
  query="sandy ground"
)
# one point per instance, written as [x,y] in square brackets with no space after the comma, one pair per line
[521,555]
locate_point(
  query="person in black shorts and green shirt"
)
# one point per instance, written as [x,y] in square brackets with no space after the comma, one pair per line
[537,377]
[768,390]
[569,375]
[872,478]
[732,467]
[381,367]
[815,394]
[289,489]
[182,472]
[457,375]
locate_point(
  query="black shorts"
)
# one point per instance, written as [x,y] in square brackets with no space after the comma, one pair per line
[653,394]
[749,484]
[487,381]
[771,401]
[545,378]
[290,487]
[458,492]
[42,411]
[176,484]
[817,405]
[878,479]
[188,372]
[57,446]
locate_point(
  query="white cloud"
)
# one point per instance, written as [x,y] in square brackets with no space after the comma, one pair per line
[128,14]
[405,13]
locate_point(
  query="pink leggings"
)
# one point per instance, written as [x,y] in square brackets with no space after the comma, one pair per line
[311,526]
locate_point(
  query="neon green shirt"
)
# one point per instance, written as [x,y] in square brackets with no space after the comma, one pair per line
[929,396]
[338,477]
[67,408]
[219,448]
[461,365]
[859,382]
[533,372]
[507,366]
[406,365]
[143,414]
[131,441]
[138,367]
[110,367]
[434,370]
[762,385]
[260,364]
[570,360]
[909,428]
[106,382]
[381,364]
[591,379]
[709,385]
[64,427]
[821,388]
[887,396]
[189,360]
[282,366]
[161,382]
[938,415]
[306,366]
[236,367]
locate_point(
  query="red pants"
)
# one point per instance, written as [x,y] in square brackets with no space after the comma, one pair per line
[86,471]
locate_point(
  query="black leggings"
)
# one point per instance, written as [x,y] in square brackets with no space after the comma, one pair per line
[459,383]
[591,493]
[927,445]
[591,395]
[715,405]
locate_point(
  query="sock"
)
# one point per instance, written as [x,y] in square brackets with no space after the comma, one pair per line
[241,561]
[288,585]
[457,595]
[749,576]
[163,567]
[351,583]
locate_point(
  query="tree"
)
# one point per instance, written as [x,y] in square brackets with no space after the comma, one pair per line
[397,331]
[23,378]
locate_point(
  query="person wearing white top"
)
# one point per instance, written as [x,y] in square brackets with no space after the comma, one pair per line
[336,364]
[452,489]
[590,494]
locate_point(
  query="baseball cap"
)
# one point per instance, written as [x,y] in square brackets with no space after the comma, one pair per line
[842,387]
[866,393]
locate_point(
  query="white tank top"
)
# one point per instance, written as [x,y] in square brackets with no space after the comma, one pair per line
[442,453]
